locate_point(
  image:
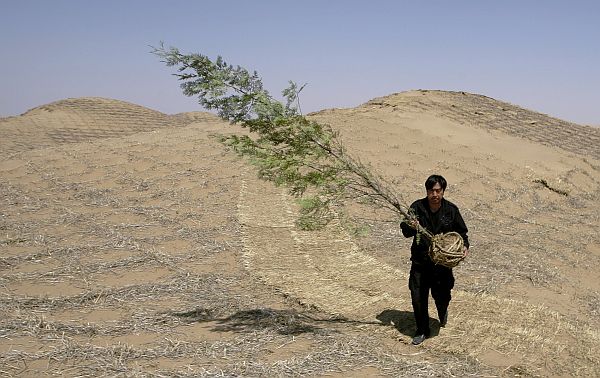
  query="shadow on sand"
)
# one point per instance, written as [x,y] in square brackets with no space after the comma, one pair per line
[291,322]
[404,322]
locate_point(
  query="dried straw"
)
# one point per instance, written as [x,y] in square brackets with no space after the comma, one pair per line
[447,249]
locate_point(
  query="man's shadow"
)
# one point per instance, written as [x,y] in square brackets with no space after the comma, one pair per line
[404,322]
[291,322]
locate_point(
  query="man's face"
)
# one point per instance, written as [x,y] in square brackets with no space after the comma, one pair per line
[435,195]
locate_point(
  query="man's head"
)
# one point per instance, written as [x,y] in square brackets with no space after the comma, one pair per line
[435,185]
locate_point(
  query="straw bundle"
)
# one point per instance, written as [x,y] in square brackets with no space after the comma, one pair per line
[447,249]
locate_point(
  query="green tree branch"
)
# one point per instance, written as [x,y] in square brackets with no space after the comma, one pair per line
[286,147]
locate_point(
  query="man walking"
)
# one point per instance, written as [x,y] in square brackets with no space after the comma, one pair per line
[437,215]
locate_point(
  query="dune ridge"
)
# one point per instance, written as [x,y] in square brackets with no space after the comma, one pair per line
[484,112]
[83,119]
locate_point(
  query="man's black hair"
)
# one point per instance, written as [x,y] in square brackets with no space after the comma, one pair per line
[435,179]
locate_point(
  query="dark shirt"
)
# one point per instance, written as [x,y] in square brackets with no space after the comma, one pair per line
[446,219]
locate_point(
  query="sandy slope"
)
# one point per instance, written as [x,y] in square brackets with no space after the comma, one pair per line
[82,119]
[133,243]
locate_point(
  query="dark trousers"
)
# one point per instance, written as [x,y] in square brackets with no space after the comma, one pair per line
[422,278]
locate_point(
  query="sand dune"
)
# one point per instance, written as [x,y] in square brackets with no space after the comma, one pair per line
[133,243]
[83,119]
[477,111]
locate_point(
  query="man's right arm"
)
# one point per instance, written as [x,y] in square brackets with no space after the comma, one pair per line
[407,230]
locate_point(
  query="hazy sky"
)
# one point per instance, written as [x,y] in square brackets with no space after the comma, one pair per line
[541,55]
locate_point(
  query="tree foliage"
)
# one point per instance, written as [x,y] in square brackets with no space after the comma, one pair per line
[288,149]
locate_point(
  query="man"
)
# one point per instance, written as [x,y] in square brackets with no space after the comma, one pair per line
[437,215]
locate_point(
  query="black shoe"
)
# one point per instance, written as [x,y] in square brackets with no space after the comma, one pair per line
[418,339]
[444,320]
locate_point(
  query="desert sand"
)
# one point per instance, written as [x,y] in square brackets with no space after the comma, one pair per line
[133,243]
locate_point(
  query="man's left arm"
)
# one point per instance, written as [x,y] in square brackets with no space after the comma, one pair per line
[461,228]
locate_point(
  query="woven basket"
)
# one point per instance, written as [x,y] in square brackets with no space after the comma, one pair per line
[447,249]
